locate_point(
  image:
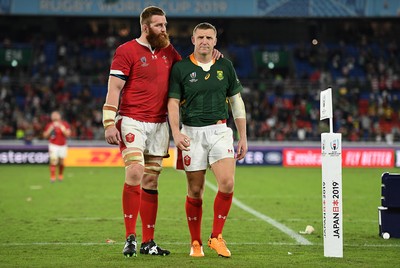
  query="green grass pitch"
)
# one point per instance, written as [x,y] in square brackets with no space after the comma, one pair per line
[68,224]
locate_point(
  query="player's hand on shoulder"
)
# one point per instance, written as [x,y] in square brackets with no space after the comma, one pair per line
[216,54]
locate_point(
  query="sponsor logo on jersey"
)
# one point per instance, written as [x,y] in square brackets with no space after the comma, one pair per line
[220,75]
[144,61]
[193,77]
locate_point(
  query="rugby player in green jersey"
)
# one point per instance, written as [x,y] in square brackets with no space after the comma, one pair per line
[199,91]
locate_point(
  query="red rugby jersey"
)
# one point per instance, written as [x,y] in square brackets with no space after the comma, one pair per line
[144,96]
[56,136]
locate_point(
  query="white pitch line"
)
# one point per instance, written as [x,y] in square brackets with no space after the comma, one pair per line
[184,243]
[301,240]
[122,243]
[91,219]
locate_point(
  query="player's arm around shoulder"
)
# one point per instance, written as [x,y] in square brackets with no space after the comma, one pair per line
[216,54]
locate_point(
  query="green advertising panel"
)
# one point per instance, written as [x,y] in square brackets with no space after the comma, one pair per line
[15,56]
[274,59]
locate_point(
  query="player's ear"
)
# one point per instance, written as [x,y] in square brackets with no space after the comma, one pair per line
[145,28]
[192,39]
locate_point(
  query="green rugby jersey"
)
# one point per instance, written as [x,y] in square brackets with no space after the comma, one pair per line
[203,95]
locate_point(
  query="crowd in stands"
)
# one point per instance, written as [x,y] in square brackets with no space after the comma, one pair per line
[363,70]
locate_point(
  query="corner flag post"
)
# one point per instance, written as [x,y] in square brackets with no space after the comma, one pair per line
[331,160]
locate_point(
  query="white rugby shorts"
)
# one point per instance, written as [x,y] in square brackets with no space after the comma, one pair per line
[57,151]
[151,138]
[207,145]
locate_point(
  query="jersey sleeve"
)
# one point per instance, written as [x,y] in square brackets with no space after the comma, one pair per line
[234,83]
[177,57]
[66,125]
[174,90]
[121,63]
[47,127]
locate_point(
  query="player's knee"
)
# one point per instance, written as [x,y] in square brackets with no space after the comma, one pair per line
[227,185]
[134,165]
[150,182]
[196,194]
[196,191]
[134,173]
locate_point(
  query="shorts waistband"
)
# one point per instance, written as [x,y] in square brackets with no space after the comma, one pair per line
[214,126]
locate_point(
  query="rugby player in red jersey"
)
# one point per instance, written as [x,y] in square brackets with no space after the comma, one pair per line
[57,132]
[135,118]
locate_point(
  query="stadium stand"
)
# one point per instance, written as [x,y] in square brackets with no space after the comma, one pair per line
[68,70]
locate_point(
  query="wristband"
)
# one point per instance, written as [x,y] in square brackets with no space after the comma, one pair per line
[237,106]
[109,112]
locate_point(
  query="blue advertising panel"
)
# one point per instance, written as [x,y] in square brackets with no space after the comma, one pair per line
[262,157]
[129,8]
[20,155]
[206,8]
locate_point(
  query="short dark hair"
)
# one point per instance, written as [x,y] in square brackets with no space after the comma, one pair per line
[205,26]
[148,12]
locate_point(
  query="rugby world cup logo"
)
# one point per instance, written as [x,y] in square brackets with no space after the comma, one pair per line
[144,61]
[335,144]
[193,77]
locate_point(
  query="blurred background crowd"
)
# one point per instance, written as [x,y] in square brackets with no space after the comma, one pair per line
[63,63]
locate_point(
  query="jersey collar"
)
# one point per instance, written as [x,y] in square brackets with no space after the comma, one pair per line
[145,45]
[193,59]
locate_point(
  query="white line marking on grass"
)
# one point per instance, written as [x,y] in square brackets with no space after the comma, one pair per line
[58,244]
[301,240]
[122,218]
[184,243]
[122,243]
[91,219]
